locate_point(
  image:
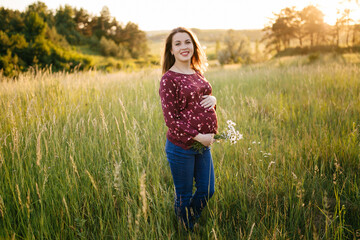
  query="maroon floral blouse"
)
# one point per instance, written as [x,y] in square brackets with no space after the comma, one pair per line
[181,95]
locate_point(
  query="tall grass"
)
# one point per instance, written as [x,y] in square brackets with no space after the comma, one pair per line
[82,156]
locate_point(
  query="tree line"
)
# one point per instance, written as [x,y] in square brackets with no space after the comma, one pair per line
[306,29]
[42,37]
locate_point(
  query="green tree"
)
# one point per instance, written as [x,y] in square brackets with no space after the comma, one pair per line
[11,21]
[5,43]
[8,64]
[35,27]
[66,25]
[102,23]
[42,10]
[108,47]
[135,39]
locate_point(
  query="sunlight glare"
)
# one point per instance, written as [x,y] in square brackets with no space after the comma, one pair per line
[331,11]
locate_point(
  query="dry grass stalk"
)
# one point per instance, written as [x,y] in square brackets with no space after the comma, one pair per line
[19,196]
[15,139]
[2,207]
[213,231]
[92,180]
[143,194]
[129,220]
[38,192]
[103,120]
[117,126]
[28,202]
[122,105]
[38,149]
[117,176]
[66,208]
[1,159]
[251,231]
[74,166]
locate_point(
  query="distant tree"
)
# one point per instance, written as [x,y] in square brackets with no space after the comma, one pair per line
[10,49]
[53,36]
[284,27]
[258,55]
[83,22]
[42,10]
[5,42]
[11,21]
[66,25]
[108,47]
[287,25]
[237,49]
[271,39]
[18,43]
[135,39]
[335,32]
[346,20]
[35,27]
[298,25]
[105,19]
[102,23]
[313,23]
[356,35]
[9,64]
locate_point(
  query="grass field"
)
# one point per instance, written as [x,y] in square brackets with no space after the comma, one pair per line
[82,156]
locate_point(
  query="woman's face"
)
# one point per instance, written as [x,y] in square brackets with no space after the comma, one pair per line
[182,47]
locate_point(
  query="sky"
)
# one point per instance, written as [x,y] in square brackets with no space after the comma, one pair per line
[203,14]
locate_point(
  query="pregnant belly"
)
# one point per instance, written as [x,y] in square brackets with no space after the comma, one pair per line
[204,121]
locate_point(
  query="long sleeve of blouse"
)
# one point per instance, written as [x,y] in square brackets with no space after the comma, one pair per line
[170,103]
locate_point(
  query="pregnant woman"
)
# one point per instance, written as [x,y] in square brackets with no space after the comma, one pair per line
[189,113]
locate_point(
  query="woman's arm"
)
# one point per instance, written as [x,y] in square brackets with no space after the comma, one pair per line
[170,106]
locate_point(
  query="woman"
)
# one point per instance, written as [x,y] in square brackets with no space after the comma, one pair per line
[189,112]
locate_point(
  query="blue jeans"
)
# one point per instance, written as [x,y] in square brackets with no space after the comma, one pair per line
[187,165]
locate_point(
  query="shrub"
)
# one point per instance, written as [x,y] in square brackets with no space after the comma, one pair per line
[108,47]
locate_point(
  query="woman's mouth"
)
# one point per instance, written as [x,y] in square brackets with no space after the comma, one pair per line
[184,53]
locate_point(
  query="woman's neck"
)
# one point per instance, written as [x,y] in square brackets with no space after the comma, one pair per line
[184,68]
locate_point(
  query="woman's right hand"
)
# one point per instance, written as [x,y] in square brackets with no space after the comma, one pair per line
[205,139]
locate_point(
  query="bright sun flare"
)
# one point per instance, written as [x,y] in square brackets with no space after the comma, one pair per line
[331,11]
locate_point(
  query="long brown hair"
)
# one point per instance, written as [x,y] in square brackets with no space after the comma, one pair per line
[198,60]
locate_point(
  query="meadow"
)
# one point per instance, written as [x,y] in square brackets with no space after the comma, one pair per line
[82,155]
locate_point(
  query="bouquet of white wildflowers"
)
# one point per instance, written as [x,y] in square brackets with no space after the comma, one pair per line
[231,134]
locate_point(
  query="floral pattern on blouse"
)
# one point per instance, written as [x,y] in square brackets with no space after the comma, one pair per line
[180,96]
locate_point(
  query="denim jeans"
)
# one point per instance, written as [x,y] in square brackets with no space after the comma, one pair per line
[187,166]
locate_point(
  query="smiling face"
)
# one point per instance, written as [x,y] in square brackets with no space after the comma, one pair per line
[182,47]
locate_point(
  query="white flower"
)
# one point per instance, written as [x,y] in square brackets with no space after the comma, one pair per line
[271,163]
[230,123]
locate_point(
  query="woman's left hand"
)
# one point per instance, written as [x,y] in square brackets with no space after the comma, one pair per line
[208,101]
